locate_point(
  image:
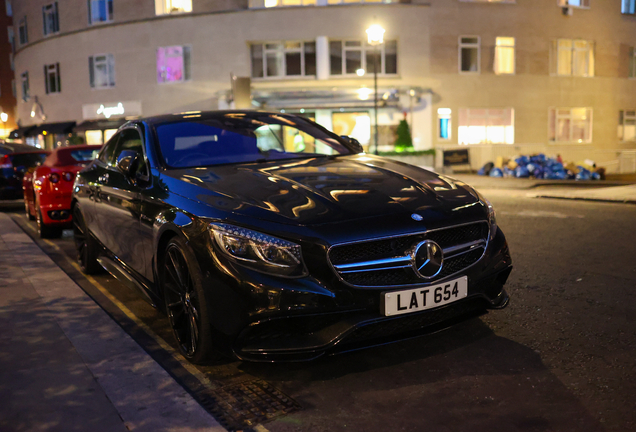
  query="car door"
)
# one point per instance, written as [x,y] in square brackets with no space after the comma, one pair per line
[118,202]
[87,189]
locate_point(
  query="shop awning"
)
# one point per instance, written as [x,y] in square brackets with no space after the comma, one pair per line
[52,128]
[99,125]
[20,132]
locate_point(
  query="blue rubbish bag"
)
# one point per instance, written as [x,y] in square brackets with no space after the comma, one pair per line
[496,172]
[522,172]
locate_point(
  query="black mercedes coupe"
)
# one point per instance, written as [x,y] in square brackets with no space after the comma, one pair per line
[267,237]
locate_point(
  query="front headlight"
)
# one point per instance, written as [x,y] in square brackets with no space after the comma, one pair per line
[492,215]
[259,251]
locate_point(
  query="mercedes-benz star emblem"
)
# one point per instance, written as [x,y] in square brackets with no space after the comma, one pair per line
[416,217]
[428,258]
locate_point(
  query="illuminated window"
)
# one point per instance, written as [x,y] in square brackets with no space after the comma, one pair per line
[50,19]
[469,50]
[283,59]
[173,64]
[163,7]
[102,71]
[574,57]
[100,11]
[486,126]
[52,80]
[627,125]
[632,62]
[25,86]
[356,57]
[23,31]
[629,7]
[574,3]
[444,123]
[570,125]
[505,55]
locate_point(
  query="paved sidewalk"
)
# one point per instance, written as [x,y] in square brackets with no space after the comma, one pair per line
[603,191]
[65,365]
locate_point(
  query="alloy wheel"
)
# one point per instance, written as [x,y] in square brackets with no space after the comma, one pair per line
[182,303]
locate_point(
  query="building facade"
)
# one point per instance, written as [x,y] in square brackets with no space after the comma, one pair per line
[7,82]
[501,77]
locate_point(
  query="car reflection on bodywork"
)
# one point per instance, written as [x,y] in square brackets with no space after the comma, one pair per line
[267,237]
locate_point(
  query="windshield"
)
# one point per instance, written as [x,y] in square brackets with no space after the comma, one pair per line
[27,160]
[83,156]
[244,138]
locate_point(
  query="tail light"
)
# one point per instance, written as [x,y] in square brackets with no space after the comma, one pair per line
[5,162]
[54,177]
[68,176]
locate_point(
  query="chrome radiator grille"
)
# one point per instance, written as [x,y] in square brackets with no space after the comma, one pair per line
[387,262]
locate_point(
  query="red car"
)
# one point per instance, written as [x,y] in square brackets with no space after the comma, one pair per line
[48,189]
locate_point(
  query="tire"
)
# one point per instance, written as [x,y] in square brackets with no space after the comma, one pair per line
[186,304]
[87,250]
[27,210]
[46,231]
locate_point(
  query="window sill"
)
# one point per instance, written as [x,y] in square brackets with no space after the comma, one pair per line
[98,23]
[284,78]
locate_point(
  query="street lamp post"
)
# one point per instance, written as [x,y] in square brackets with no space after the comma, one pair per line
[375,37]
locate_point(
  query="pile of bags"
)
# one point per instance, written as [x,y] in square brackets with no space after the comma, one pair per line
[541,167]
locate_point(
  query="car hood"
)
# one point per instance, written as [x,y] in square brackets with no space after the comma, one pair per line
[321,190]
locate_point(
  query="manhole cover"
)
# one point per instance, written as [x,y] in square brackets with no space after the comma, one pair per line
[246,404]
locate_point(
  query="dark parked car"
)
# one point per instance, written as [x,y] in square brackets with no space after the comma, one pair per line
[13,166]
[261,247]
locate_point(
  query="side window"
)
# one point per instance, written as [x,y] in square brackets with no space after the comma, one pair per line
[107,154]
[130,140]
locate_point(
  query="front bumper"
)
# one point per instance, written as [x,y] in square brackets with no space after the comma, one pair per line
[306,319]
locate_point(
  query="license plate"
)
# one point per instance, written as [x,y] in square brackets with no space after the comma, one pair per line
[419,299]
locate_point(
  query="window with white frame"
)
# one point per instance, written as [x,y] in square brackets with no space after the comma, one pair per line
[632,62]
[283,59]
[163,7]
[573,57]
[52,80]
[23,31]
[173,64]
[628,7]
[469,53]
[24,77]
[627,125]
[574,3]
[570,125]
[50,19]
[504,55]
[11,35]
[100,11]
[101,69]
[357,57]
[444,124]
[486,126]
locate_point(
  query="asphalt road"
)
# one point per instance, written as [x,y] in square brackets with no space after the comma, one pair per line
[559,358]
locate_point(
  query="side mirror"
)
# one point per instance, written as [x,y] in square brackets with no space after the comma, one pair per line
[353,143]
[127,162]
